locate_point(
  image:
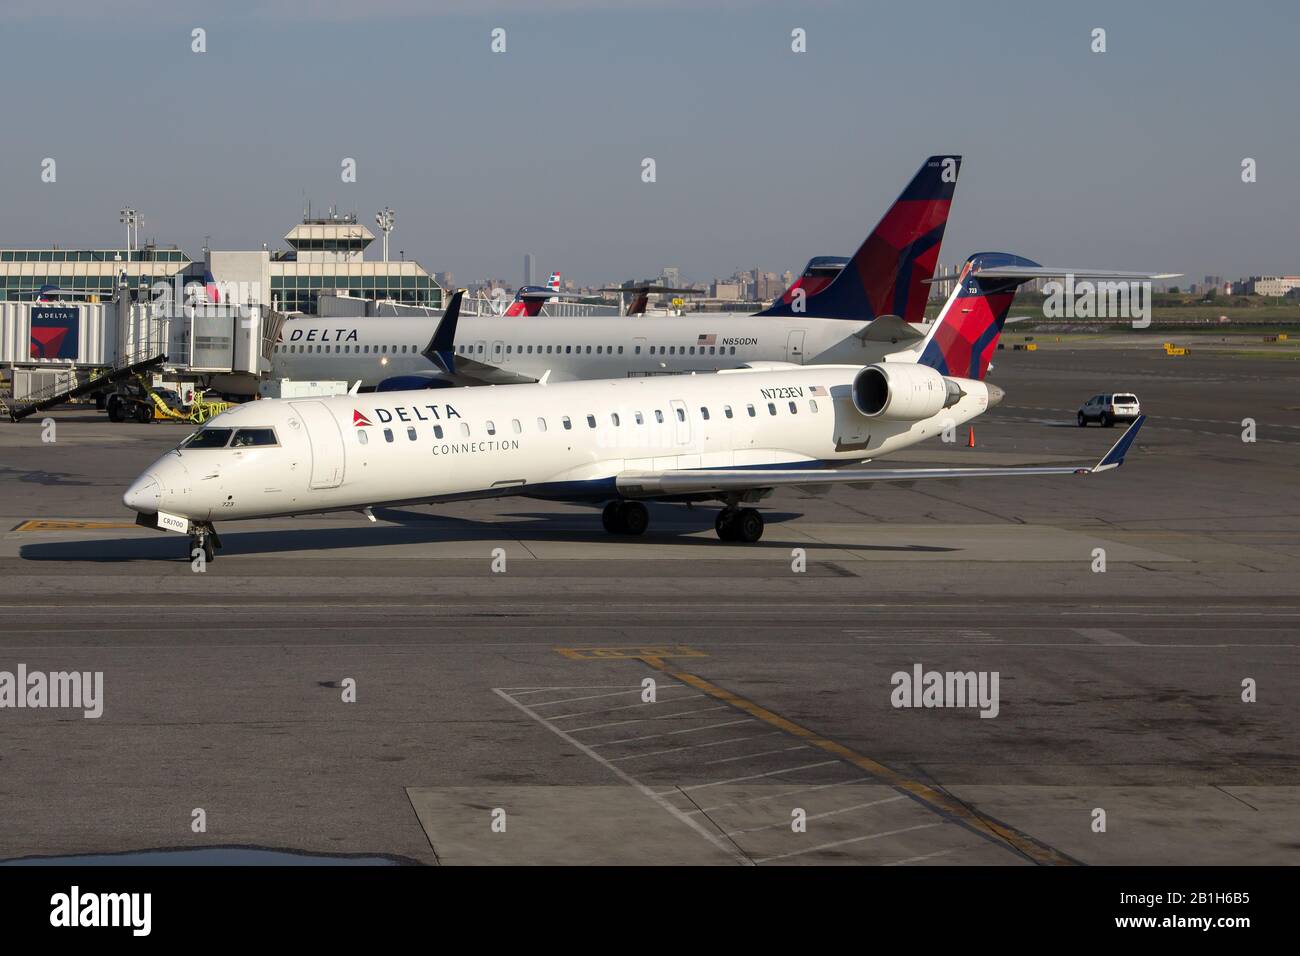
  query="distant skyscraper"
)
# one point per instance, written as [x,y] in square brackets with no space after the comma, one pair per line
[528,269]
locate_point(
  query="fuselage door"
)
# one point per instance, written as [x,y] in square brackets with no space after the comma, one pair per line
[326,444]
[794,347]
[681,422]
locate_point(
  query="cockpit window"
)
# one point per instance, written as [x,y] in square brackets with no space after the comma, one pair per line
[254,436]
[208,438]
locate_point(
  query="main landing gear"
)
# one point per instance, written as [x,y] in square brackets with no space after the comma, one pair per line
[203,537]
[739,524]
[625,517]
[743,525]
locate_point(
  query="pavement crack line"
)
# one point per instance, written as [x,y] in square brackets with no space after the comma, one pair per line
[727,836]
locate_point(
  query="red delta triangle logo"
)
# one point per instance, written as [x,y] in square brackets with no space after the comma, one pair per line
[47,342]
[359,419]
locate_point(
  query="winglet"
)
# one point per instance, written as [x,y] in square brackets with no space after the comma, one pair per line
[441,350]
[1115,457]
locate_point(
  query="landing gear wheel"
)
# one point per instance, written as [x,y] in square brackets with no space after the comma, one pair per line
[635,517]
[205,540]
[748,525]
[143,414]
[1083,422]
[725,524]
[1105,420]
[611,517]
[114,409]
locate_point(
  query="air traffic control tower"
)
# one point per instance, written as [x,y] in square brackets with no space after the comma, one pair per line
[325,255]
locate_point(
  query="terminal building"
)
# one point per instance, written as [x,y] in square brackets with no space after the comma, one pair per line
[69,314]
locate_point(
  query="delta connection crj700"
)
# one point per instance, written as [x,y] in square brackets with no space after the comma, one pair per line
[731,437]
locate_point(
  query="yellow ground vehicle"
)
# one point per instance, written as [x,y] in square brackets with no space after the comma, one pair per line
[142,402]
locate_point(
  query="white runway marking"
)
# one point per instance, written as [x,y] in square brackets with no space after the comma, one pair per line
[752,776]
[610,710]
[818,816]
[828,846]
[712,743]
[641,720]
[672,733]
[761,753]
[628,779]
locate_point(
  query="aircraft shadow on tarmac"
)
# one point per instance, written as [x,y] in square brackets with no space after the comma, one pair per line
[409,527]
[56,478]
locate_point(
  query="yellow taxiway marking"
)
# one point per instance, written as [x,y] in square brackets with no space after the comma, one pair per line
[639,653]
[936,800]
[41,524]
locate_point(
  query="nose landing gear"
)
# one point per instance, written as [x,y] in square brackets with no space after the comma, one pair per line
[739,524]
[203,537]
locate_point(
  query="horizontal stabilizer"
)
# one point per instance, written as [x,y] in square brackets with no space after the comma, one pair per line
[1026,273]
[892,329]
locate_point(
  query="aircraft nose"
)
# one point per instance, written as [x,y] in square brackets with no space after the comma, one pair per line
[144,495]
[995,394]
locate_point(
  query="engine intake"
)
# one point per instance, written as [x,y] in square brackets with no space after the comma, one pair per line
[903,392]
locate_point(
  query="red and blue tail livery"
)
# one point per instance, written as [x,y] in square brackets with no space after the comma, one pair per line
[817,275]
[888,275]
[964,336]
[528,301]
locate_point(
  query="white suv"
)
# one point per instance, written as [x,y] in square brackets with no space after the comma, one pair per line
[1106,410]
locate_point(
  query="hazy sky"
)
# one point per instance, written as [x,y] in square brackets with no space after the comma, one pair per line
[1126,159]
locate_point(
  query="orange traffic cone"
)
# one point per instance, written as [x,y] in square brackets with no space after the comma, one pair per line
[970,442]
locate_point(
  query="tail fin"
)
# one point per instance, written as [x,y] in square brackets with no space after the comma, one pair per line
[889,272]
[962,339]
[529,301]
[817,275]
[553,283]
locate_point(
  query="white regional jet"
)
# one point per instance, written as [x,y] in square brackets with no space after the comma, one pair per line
[731,437]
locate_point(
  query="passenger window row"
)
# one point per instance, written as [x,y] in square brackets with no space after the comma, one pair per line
[480,348]
[344,349]
[462,429]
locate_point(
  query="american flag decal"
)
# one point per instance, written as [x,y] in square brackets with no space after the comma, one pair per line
[818,391]
[707,340]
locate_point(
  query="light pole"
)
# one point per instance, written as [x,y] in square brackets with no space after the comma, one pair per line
[385,219]
[129,219]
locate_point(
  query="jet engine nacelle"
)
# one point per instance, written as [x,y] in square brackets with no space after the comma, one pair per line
[898,392]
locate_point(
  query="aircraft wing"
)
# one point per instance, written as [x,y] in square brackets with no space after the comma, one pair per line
[459,369]
[472,372]
[667,483]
